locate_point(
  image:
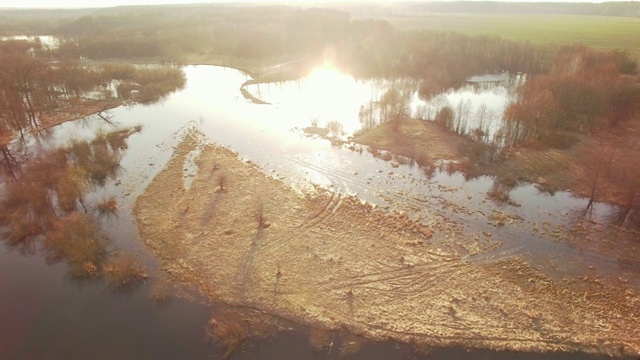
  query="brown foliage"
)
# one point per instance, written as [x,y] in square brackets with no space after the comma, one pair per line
[582,86]
[76,239]
[124,272]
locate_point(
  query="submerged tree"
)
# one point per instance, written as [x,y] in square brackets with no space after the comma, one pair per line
[45,203]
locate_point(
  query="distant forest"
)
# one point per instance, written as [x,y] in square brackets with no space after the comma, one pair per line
[627,8]
[365,47]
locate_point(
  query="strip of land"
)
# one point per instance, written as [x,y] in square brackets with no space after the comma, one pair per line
[330,261]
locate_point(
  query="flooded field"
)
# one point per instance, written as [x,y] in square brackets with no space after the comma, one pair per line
[544,231]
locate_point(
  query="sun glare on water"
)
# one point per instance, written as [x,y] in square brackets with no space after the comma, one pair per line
[330,95]
[329,87]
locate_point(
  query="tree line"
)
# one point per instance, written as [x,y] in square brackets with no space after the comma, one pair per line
[583,86]
[172,32]
[624,8]
[366,47]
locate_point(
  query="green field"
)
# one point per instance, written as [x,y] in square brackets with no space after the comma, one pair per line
[607,33]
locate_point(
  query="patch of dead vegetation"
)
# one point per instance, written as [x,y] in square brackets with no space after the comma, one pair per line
[416,139]
[330,261]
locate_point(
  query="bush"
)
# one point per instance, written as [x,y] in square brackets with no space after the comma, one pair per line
[77,240]
[124,272]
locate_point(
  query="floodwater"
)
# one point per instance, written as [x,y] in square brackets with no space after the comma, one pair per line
[47,41]
[327,95]
[46,314]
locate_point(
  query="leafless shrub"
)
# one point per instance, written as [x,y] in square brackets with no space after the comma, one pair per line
[222,181]
[335,127]
[107,206]
[76,239]
[260,215]
[159,292]
[123,272]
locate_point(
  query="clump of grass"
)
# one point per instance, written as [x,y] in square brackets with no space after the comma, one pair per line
[117,139]
[231,328]
[402,160]
[80,150]
[159,292]
[228,329]
[105,165]
[374,151]
[320,339]
[222,181]
[124,272]
[107,207]
[501,195]
[385,155]
[70,188]
[350,344]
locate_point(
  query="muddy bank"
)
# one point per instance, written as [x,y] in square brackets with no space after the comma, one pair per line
[326,259]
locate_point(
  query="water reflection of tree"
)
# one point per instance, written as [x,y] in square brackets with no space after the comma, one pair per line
[9,161]
[392,106]
[233,328]
[45,209]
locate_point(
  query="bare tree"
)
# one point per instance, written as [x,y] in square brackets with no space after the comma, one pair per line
[222,181]
[260,216]
[598,162]
[335,127]
[627,176]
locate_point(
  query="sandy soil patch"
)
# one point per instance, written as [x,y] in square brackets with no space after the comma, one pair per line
[328,260]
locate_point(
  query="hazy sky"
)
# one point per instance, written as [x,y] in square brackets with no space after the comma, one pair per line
[107,3]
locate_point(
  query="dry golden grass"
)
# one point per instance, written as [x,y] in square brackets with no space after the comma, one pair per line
[330,261]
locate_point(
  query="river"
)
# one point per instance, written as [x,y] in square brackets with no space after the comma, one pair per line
[46,314]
